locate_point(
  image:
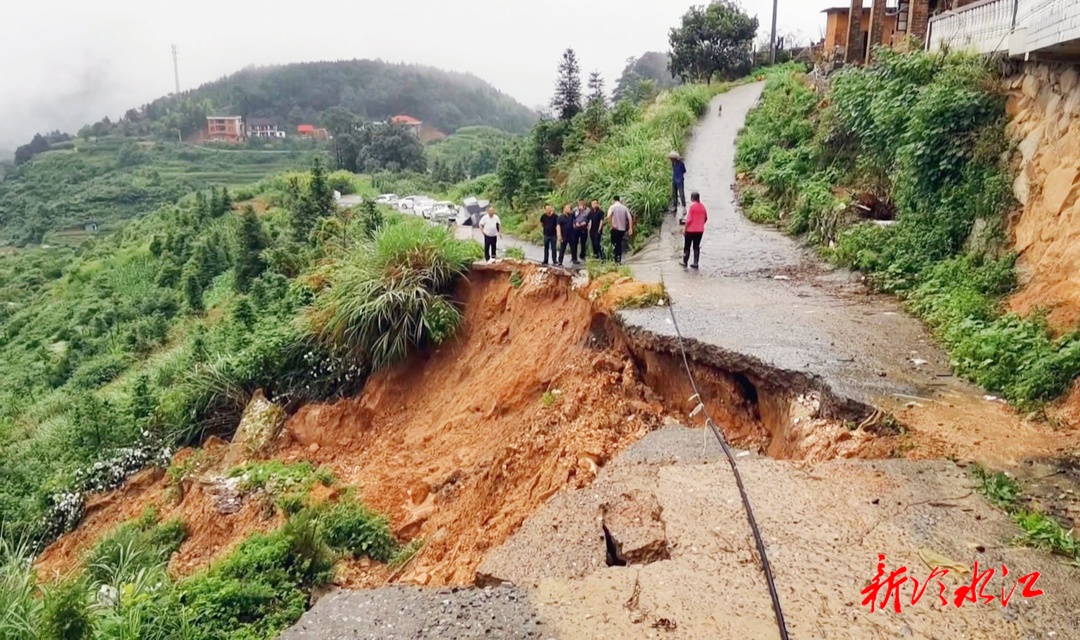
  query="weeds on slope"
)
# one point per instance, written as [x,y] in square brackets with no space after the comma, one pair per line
[1037,530]
[921,135]
[256,591]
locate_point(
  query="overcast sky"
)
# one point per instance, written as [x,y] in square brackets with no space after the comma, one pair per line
[64,63]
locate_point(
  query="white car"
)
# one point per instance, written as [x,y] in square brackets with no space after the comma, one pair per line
[423,206]
[409,202]
[387,198]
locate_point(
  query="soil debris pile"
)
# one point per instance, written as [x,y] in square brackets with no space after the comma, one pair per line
[539,389]
[458,447]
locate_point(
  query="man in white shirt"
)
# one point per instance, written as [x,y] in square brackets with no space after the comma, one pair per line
[622,224]
[491,227]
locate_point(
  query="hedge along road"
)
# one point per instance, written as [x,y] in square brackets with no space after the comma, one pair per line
[760,294]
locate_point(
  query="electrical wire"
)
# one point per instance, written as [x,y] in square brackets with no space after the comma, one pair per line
[766,568]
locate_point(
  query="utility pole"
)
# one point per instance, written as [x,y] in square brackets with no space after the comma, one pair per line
[772,41]
[176,70]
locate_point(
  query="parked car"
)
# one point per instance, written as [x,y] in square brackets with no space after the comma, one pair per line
[422,206]
[443,211]
[387,198]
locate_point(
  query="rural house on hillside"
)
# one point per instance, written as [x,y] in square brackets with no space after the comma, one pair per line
[409,122]
[311,131]
[263,128]
[224,128]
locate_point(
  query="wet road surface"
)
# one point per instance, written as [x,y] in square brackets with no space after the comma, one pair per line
[760,293]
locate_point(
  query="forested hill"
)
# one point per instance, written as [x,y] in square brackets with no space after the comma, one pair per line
[299,93]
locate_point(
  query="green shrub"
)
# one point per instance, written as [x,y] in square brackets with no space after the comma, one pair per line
[135,546]
[389,295]
[66,615]
[352,528]
[926,133]
[262,586]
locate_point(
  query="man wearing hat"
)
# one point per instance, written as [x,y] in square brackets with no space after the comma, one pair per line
[678,181]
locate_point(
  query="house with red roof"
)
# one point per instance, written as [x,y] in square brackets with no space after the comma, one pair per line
[409,122]
[311,131]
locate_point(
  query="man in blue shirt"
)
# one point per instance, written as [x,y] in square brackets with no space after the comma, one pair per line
[678,179]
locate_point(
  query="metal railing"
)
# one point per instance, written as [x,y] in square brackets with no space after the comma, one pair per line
[1016,27]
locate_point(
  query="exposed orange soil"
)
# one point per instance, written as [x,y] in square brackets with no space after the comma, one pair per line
[965,426]
[210,534]
[459,448]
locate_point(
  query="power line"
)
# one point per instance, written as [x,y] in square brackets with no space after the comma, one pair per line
[766,568]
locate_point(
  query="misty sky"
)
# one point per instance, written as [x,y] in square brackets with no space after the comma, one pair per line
[70,62]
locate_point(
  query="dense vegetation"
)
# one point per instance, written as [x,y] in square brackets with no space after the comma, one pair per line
[113,179]
[644,77]
[258,589]
[918,137]
[301,93]
[157,335]
[600,153]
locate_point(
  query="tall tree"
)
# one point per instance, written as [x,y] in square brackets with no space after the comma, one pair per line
[712,40]
[651,65]
[250,242]
[596,88]
[316,202]
[596,113]
[567,100]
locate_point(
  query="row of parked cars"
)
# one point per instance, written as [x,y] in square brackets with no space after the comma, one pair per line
[438,211]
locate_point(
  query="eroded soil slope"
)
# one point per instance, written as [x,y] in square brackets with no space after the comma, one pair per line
[538,390]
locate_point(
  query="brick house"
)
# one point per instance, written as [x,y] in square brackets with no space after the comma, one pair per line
[883,22]
[224,128]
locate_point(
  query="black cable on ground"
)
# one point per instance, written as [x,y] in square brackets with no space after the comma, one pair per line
[766,568]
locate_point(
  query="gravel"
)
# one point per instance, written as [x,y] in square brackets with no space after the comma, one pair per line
[399,612]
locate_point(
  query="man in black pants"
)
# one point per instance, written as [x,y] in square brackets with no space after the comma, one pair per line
[622,224]
[549,222]
[566,236]
[596,229]
[491,227]
[581,229]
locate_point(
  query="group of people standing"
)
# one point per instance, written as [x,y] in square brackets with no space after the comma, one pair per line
[581,228]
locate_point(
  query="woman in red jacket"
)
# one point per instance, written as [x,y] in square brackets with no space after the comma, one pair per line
[696,217]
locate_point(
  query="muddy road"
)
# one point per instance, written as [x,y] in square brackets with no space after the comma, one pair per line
[761,294]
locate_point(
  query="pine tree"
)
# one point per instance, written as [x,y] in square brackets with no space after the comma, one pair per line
[371,218]
[596,89]
[226,201]
[215,203]
[243,313]
[567,100]
[315,203]
[596,113]
[250,242]
[142,402]
[202,207]
[193,290]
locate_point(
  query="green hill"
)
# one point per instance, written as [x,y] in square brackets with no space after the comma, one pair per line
[300,93]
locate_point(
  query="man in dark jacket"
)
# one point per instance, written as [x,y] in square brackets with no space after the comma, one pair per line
[566,236]
[581,229]
[549,223]
[596,229]
[678,181]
